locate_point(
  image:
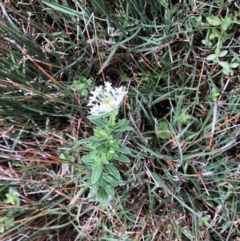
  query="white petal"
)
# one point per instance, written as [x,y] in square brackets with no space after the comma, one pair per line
[108,86]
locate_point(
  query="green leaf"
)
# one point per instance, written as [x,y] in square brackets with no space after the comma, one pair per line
[223,53]
[104,158]
[224,64]
[82,141]
[183,117]
[214,94]
[62,156]
[122,122]
[97,143]
[97,171]
[124,149]
[123,158]
[111,180]
[206,42]
[87,160]
[113,171]
[162,130]
[109,156]
[100,181]
[6,222]
[205,221]
[198,21]
[227,71]
[214,34]
[103,133]
[214,20]
[211,57]
[234,65]
[93,190]
[102,197]
[226,37]
[97,161]
[124,128]
[1,229]
[97,120]
[226,23]
[12,197]
[114,143]
[156,177]
[109,190]
[100,134]
[87,177]
[164,135]
[211,37]
[162,126]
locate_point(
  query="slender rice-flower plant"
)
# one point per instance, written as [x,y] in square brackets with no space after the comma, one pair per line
[105,146]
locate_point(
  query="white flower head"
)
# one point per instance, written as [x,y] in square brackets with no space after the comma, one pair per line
[106,99]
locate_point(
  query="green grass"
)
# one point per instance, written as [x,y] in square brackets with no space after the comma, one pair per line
[183,179]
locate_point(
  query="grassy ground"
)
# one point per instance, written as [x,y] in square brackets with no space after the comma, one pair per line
[179,61]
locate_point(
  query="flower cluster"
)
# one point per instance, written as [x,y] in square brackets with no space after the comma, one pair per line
[105,100]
